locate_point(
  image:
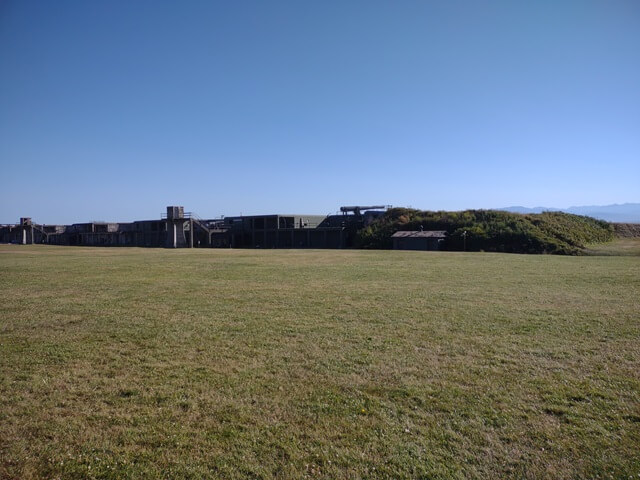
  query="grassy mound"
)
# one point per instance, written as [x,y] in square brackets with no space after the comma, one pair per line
[627,230]
[493,231]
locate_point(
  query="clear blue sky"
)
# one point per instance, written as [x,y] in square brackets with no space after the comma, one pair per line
[112,110]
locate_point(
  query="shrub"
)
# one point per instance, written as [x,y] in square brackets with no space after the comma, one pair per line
[492,230]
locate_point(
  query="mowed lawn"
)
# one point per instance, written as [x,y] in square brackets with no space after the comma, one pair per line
[153,363]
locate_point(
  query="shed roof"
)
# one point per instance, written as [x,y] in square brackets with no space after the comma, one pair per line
[420,234]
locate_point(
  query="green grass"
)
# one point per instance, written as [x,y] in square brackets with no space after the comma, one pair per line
[152,363]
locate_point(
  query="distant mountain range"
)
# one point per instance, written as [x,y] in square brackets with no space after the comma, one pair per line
[624,213]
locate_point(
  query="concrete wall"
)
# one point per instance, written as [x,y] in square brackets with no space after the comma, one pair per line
[177,230]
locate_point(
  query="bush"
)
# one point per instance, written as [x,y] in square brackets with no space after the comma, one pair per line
[492,230]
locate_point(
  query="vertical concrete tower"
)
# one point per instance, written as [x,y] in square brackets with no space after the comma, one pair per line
[175,228]
[27,231]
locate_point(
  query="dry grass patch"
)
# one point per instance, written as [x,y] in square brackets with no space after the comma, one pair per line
[626,246]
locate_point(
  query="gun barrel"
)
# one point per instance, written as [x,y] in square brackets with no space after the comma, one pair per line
[357,208]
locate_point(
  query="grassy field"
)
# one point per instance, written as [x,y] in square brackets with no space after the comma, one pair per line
[619,246]
[152,363]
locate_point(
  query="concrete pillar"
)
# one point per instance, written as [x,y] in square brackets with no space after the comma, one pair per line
[175,234]
[191,233]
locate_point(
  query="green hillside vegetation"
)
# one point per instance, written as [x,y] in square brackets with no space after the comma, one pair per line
[493,231]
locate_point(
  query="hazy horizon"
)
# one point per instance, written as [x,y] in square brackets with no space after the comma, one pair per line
[635,212]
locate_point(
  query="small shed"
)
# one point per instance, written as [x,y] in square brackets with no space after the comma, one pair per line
[419,240]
